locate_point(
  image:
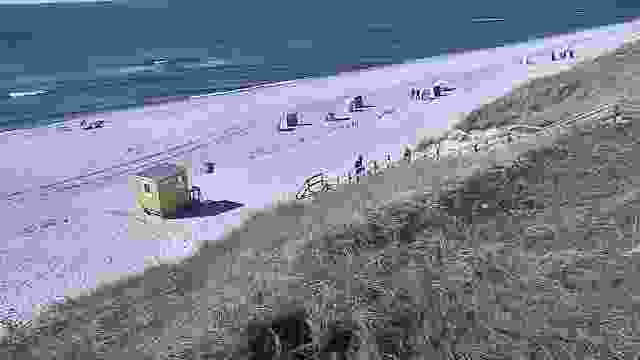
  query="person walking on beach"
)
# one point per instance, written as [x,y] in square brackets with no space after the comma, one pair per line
[359,167]
[407,155]
[387,161]
[571,54]
[553,55]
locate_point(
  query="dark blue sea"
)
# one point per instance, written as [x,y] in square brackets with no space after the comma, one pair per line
[68,58]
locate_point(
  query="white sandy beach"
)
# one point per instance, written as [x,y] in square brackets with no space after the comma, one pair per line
[83,216]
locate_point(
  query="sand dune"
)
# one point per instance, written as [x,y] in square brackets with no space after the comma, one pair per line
[83,203]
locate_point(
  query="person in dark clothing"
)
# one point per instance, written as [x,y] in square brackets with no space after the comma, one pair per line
[616,114]
[407,154]
[437,91]
[476,147]
[359,166]
[553,55]
[413,94]
[571,54]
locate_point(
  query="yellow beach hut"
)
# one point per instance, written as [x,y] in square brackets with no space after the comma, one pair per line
[163,189]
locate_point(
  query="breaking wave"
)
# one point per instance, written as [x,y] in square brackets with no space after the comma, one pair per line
[26,93]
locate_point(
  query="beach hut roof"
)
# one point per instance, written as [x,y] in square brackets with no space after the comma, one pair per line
[160,172]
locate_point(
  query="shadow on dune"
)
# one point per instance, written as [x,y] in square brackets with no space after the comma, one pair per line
[207,208]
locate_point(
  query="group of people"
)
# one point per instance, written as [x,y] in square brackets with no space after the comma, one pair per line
[563,54]
[436,91]
[420,94]
[360,169]
[93,125]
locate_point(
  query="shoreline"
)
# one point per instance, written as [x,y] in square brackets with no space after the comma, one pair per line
[531,44]
[253,186]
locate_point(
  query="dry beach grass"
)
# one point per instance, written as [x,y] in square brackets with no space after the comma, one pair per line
[511,253]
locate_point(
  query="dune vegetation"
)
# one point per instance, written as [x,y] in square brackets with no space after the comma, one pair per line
[518,253]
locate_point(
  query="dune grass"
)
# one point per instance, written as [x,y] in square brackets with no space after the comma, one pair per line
[470,269]
[504,260]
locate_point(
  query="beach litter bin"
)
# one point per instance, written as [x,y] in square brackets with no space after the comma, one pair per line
[209,167]
[163,189]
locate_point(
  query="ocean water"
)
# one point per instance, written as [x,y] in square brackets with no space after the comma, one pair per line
[57,60]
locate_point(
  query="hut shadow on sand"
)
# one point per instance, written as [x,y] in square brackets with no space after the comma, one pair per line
[205,209]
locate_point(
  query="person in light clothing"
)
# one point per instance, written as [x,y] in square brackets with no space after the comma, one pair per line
[424,94]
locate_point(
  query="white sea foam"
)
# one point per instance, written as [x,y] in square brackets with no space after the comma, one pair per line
[26,93]
[209,63]
[162,131]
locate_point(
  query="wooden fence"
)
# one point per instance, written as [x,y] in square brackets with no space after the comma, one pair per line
[621,111]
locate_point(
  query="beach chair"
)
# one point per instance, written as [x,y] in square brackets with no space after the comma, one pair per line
[284,126]
[331,117]
[292,119]
[356,104]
